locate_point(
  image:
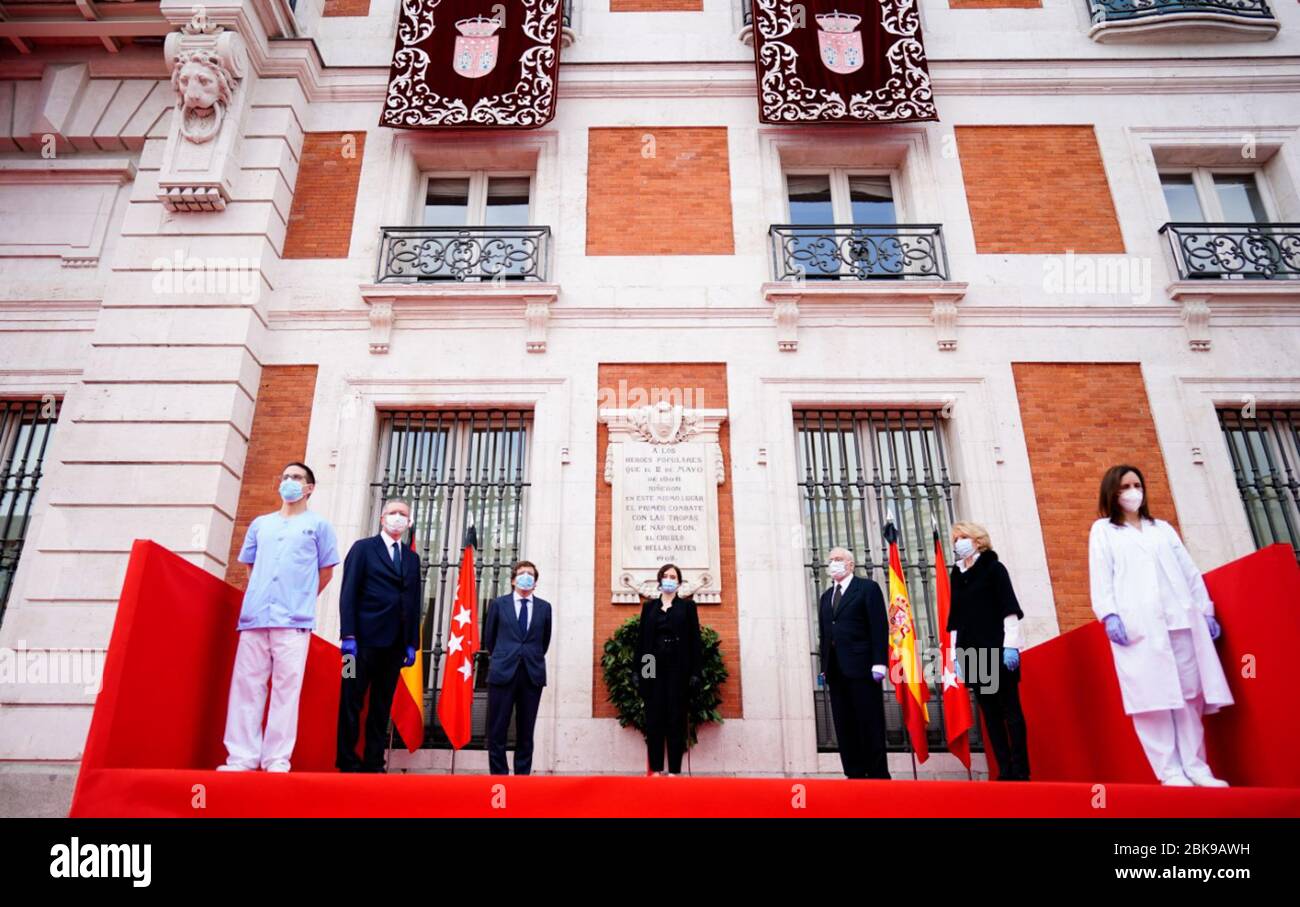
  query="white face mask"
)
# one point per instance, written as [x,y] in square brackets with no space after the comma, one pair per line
[837,569]
[963,548]
[396,523]
[1131,499]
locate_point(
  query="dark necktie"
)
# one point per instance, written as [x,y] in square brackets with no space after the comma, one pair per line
[835,598]
[397,559]
[523,616]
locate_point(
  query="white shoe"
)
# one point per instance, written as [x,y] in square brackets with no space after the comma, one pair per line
[277,767]
[1206,779]
[228,767]
[1178,780]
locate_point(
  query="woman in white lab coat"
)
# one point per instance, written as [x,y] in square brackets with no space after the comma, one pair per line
[1160,621]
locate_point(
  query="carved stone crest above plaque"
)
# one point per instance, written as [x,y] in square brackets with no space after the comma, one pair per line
[664,463]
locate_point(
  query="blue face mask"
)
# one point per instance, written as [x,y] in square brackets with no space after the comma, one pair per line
[668,585]
[525,581]
[291,490]
[963,548]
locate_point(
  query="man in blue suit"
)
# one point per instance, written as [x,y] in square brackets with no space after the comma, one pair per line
[855,658]
[517,633]
[379,612]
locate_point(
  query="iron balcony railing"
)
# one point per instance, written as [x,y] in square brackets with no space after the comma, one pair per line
[567,16]
[487,254]
[858,252]
[1116,10]
[746,13]
[1235,250]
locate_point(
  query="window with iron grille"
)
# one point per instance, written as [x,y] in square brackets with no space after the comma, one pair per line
[858,470]
[1265,453]
[25,428]
[456,468]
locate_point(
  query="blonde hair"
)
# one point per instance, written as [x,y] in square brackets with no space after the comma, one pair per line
[976,533]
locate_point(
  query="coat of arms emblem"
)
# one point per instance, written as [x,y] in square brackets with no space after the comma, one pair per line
[475,54]
[839,41]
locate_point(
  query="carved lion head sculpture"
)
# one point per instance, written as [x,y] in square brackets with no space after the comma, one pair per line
[203,92]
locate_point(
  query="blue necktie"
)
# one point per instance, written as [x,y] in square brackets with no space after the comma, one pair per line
[523,616]
[397,559]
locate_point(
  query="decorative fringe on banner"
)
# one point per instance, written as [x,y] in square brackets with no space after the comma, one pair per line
[841,61]
[455,68]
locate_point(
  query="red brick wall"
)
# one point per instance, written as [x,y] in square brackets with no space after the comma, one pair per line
[279,436]
[346,8]
[325,195]
[656,6]
[655,190]
[707,383]
[1037,189]
[1080,419]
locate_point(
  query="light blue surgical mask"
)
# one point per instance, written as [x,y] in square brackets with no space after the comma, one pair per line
[667,585]
[291,490]
[525,581]
[963,548]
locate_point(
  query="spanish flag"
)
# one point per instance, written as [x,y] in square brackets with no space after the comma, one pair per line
[408,701]
[904,658]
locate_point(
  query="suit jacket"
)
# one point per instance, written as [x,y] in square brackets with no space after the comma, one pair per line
[378,605]
[684,617]
[860,628]
[508,646]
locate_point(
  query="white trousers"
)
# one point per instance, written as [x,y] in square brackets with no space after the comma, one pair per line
[1174,740]
[280,656]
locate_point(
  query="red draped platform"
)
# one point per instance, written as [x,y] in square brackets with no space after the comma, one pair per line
[158,722]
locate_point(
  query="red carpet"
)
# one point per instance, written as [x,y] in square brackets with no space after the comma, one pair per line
[171,793]
[157,727]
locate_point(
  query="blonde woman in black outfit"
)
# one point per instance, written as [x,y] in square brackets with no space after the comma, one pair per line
[669,657]
[985,617]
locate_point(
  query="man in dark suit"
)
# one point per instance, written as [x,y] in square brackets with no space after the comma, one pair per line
[517,633]
[854,658]
[379,612]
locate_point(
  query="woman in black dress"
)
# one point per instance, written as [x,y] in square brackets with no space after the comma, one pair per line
[986,618]
[669,655]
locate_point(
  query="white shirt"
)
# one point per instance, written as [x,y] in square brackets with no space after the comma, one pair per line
[389,542]
[519,607]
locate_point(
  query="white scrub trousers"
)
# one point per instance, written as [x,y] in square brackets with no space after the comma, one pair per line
[279,655]
[1175,740]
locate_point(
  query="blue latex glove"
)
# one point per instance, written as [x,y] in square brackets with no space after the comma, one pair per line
[349,646]
[1011,658]
[877,674]
[821,681]
[1115,629]
[1215,629]
[410,657]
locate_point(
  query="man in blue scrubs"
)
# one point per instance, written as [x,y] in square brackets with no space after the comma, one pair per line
[292,553]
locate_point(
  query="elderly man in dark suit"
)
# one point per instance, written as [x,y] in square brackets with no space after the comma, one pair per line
[517,633]
[379,612]
[854,658]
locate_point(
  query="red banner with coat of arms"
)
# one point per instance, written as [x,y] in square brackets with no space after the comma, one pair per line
[841,61]
[461,64]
